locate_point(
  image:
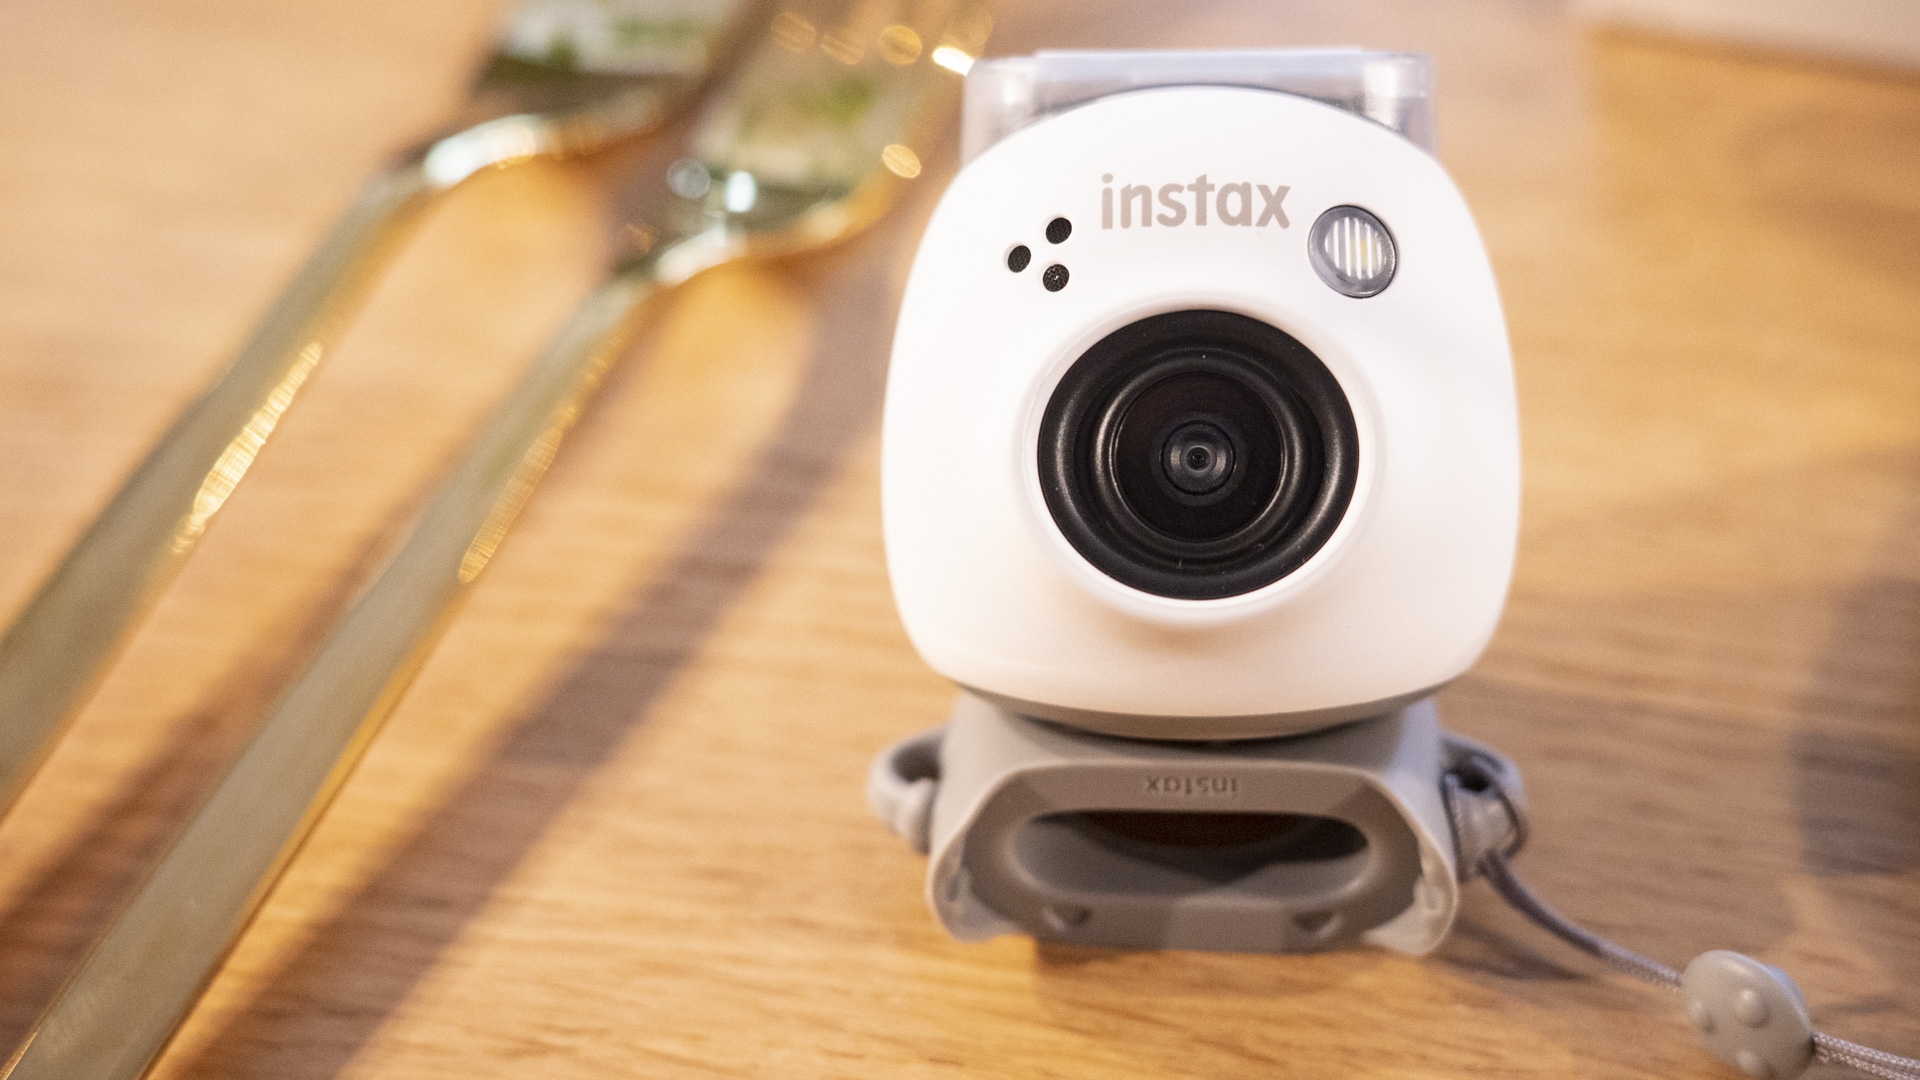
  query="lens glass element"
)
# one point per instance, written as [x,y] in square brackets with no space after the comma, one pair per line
[1198,454]
[1198,457]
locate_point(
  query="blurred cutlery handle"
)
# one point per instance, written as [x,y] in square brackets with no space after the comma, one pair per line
[125,1001]
[61,642]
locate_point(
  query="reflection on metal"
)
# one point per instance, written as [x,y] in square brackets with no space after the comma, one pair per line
[496,142]
[688,178]
[640,237]
[59,644]
[532,467]
[239,454]
[843,46]
[901,161]
[953,59]
[794,32]
[742,193]
[137,985]
[899,44]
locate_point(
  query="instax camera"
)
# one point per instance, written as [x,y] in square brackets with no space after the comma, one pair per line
[1200,426]
[1200,422]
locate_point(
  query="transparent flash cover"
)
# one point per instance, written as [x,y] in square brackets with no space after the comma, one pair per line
[1393,89]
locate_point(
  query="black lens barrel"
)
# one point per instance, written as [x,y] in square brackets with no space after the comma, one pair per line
[1198,454]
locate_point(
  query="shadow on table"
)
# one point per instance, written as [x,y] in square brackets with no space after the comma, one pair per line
[360,965]
[1859,800]
[1857,782]
[1856,760]
[46,932]
[1068,975]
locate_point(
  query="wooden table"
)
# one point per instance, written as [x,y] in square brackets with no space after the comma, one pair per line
[617,828]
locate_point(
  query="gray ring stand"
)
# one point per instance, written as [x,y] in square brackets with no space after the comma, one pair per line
[1274,845]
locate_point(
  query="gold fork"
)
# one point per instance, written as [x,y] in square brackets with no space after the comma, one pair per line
[807,144]
[552,87]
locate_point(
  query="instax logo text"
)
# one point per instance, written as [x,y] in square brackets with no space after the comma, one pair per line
[1232,204]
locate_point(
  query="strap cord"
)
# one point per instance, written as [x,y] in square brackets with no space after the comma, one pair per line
[1477,778]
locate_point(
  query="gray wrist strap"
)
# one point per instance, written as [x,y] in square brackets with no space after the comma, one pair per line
[1751,1015]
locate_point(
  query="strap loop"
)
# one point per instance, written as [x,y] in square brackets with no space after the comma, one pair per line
[901,784]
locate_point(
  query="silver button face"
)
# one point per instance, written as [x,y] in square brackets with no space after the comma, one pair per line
[1352,251]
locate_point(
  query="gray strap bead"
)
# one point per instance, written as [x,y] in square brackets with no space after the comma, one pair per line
[1750,1014]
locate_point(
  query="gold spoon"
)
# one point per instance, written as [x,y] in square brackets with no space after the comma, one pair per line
[805,146]
[552,87]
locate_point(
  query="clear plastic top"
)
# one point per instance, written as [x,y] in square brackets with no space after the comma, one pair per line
[1394,89]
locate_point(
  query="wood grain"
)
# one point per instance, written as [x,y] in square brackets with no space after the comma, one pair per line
[617,828]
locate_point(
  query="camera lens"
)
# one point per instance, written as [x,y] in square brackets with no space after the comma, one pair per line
[1194,452]
[1198,457]
[1198,454]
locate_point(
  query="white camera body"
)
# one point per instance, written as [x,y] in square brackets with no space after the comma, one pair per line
[1403,579]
